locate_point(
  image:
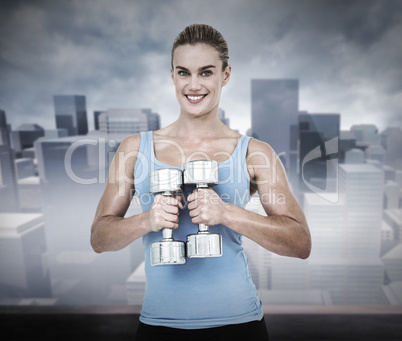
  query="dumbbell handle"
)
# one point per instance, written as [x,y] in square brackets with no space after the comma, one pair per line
[167,234]
[202,228]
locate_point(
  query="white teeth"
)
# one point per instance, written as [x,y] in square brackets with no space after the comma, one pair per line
[195,98]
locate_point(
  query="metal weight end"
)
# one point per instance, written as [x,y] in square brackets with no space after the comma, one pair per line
[202,245]
[168,253]
[165,180]
[200,171]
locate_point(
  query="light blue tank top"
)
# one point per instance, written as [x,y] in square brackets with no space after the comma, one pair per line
[204,292]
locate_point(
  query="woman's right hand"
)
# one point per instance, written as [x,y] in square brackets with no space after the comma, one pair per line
[164,212]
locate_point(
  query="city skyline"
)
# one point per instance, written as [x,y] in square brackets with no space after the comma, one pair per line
[346,266]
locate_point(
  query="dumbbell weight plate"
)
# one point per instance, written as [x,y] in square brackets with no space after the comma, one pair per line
[200,171]
[168,252]
[165,180]
[204,245]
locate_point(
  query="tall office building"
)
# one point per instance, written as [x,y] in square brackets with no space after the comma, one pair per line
[392,142]
[23,259]
[24,168]
[25,136]
[394,219]
[274,116]
[123,121]
[326,222]
[225,120]
[391,195]
[71,113]
[4,129]
[366,134]
[96,118]
[153,119]
[338,263]
[375,152]
[8,181]
[347,141]
[317,131]
[346,237]
[361,187]
[354,156]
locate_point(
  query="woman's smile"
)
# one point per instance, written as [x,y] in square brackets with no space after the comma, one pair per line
[194,99]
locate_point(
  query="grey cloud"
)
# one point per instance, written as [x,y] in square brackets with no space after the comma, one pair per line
[117,53]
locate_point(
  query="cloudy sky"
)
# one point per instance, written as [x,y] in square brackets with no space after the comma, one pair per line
[347,55]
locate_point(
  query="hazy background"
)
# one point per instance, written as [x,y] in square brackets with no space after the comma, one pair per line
[346,54]
[335,57]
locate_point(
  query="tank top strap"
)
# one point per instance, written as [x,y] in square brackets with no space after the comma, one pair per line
[145,156]
[145,143]
[244,146]
[239,157]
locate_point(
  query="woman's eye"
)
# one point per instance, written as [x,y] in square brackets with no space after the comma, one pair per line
[183,73]
[206,73]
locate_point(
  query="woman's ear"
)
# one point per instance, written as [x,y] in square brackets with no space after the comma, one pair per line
[226,75]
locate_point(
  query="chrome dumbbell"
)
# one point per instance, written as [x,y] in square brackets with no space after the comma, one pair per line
[203,244]
[168,182]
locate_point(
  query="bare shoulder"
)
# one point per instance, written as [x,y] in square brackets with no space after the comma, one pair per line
[261,159]
[259,151]
[130,143]
[126,155]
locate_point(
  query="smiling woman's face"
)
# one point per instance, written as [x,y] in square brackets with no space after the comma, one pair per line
[198,77]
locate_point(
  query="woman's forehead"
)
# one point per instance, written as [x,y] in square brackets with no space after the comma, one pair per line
[195,56]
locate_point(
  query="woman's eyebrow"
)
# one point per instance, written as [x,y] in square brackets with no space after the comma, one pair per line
[200,69]
[206,67]
[182,67]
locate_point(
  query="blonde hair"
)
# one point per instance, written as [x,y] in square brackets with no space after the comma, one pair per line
[203,34]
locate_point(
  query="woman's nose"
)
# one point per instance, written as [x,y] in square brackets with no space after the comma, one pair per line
[194,83]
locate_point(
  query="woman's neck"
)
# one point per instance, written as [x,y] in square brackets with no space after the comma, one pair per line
[198,127]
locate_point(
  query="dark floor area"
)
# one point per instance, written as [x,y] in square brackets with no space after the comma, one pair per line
[75,324]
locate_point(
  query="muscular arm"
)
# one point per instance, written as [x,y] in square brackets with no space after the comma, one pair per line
[110,231]
[284,231]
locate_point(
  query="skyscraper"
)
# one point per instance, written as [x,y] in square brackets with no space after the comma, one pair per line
[96,118]
[4,129]
[362,188]
[153,119]
[366,134]
[8,181]
[225,120]
[123,121]
[25,136]
[274,114]
[347,237]
[23,261]
[392,142]
[71,113]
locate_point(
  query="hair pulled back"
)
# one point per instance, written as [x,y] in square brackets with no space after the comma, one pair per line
[203,34]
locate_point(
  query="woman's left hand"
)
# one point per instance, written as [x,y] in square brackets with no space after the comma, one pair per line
[206,207]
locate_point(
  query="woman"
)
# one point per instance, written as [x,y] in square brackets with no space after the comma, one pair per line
[206,298]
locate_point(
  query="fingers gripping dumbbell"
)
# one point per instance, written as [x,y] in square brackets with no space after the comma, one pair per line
[168,182]
[203,244]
